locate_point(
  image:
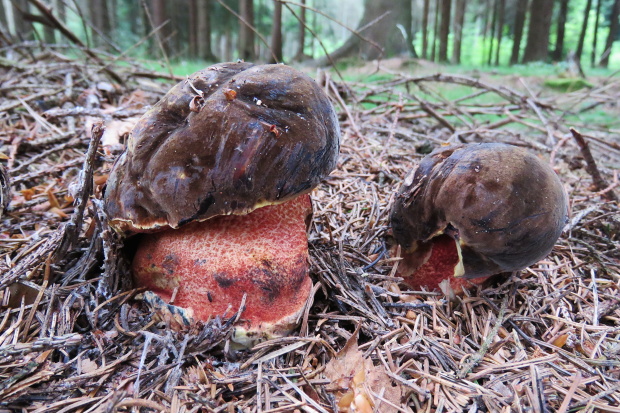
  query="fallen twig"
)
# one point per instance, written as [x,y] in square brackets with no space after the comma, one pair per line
[597,179]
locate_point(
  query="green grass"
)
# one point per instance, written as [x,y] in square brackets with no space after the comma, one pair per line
[567,84]
[598,117]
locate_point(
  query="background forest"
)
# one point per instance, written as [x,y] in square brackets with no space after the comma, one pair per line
[468,32]
[404,77]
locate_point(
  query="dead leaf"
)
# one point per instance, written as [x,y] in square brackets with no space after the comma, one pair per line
[18,292]
[52,198]
[116,130]
[100,179]
[59,212]
[88,365]
[358,384]
[28,193]
[560,341]
[137,98]
[43,356]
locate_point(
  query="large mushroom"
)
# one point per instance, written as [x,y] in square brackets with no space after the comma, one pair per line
[216,178]
[471,211]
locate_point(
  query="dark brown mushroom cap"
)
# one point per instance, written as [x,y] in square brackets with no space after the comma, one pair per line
[504,206]
[229,139]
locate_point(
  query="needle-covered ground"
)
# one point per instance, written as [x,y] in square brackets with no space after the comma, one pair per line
[75,336]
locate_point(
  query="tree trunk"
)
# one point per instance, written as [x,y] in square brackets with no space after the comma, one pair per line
[558,53]
[8,21]
[537,46]
[112,8]
[313,44]
[408,24]
[246,32]
[459,21]
[435,30]
[205,51]
[23,28]
[49,34]
[519,23]
[193,29]
[98,10]
[493,28]
[499,29]
[3,16]
[276,33]
[159,17]
[425,12]
[228,44]
[61,10]
[136,10]
[596,27]
[584,28]
[260,6]
[613,30]
[486,23]
[179,17]
[301,36]
[444,30]
[379,24]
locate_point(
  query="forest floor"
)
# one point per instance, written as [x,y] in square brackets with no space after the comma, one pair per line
[544,339]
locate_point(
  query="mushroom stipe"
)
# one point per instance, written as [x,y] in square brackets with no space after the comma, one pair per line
[432,262]
[210,265]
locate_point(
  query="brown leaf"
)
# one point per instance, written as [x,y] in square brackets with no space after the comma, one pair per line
[116,130]
[19,292]
[52,198]
[357,383]
[560,341]
[88,365]
[59,212]
[28,193]
[100,179]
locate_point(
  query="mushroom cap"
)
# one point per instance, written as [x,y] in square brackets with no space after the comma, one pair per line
[504,206]
[231,138]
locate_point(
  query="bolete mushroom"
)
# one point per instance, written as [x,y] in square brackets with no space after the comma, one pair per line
[474,210]
[216,178]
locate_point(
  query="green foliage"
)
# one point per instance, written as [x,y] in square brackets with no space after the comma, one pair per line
[476,47]
[130,29]
[567,85]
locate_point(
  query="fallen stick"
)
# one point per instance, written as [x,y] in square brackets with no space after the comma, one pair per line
[597,179]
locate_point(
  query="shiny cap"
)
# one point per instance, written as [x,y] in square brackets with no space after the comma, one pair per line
[231,138]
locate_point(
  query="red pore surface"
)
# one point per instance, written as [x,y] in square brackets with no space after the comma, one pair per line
[213,263]
[431,263]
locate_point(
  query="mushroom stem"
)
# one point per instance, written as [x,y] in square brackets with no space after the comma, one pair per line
[427,264]
[212,264]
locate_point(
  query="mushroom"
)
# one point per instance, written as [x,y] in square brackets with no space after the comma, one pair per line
[216,178]
[474,210]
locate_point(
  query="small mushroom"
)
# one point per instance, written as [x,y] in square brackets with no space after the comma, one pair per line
[471,211]
[216,178]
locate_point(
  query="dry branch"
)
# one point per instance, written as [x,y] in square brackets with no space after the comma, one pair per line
[597,179]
